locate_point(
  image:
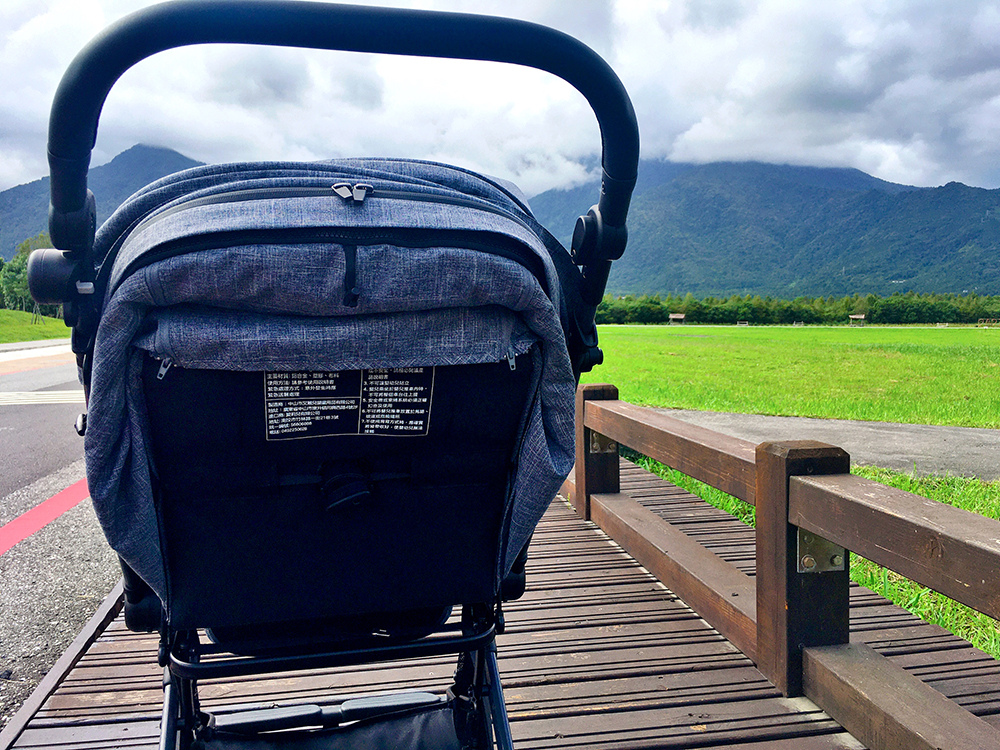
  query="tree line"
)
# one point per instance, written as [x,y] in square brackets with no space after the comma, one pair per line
[14,294]
[896,309]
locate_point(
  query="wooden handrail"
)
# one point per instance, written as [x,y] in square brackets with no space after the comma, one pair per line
[947,549]
[885,706]
[797,630]
[722,461]
[950,550]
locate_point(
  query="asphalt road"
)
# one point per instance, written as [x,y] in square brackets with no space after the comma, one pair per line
[37,439]
[53,581]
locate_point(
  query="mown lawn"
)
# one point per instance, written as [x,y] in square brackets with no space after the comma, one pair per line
[920,375]
[16,326]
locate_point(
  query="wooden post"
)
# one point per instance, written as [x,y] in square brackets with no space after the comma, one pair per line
[596,458]
[795,609]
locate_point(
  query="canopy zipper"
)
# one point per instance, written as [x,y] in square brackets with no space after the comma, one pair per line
[356,193]
[487,242]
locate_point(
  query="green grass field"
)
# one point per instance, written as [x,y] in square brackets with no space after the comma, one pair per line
[17,326]
[924,375]
[921,375]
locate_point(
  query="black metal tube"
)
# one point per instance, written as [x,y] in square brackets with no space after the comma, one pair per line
[171,708]
[241,666]
[84,87]
[498,708]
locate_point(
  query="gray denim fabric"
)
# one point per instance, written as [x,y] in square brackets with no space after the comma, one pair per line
[276,305]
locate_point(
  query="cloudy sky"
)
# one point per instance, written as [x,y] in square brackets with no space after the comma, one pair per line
[907,90]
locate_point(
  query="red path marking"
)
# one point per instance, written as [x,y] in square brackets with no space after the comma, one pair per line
[41,515]
[36,363]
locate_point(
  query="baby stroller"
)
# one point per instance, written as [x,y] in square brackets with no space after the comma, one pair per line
[328,402]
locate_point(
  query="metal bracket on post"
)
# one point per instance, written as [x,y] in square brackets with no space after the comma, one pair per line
[818,555]
[602,444]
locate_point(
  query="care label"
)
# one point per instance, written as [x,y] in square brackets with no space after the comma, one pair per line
[388,401]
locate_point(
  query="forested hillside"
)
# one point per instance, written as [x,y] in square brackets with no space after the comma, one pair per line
[24,209]
[712,229]
[748,228]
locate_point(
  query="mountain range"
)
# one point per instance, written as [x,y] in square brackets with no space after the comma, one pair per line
[711,229]
[785,231]
[24,209]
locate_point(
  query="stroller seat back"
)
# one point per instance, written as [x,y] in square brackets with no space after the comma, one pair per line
[271,353]
[320,495]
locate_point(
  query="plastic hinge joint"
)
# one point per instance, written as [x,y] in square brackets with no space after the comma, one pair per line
[594,240]
[74,230]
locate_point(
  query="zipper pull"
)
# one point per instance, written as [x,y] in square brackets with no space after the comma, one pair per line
[510,360]
[360,191]
[165,366]
[355,193]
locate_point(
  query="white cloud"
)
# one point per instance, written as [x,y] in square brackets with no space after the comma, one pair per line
[908,91]
[37,46]
[896,89]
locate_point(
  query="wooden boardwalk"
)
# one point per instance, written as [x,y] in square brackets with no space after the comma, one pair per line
[598,654]
[947,663]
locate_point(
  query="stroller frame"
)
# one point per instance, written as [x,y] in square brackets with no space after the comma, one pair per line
[66,274]
[477,683]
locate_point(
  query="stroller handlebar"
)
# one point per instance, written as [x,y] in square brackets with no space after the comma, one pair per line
[84,87]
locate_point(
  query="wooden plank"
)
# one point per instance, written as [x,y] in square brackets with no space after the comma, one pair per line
[106,612]
[711,457]
[597,654]
[944,548]
[712,587]
[92,735]
[679,726]
[793,609]
[692,688]
[886,707]
[596,460]
[843,741]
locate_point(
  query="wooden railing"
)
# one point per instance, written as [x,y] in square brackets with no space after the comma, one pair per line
[792,619]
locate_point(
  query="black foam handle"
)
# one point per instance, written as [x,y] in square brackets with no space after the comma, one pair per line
[81,94]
